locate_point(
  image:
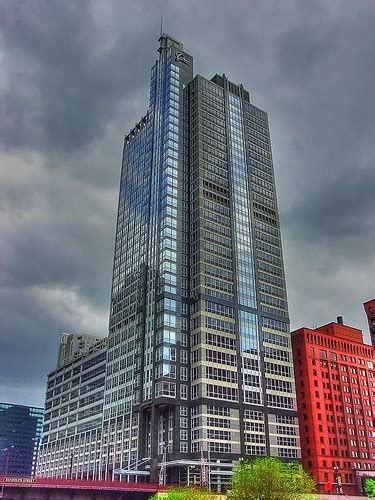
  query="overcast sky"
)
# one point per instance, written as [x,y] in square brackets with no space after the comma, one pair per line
[74,78]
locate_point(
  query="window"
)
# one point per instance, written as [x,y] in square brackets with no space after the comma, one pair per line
[183,435]
[167,389]
[166,353]
[183,373]
[221,410]
[280,401]
[183,447]
[183,422]
[222,392]
[220,447]
[183,391]
[184,411]
[170,305]
[219,434]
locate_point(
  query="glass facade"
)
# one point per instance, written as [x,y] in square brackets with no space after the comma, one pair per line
[20,432]
[147,365]
[199,356]
[241,206]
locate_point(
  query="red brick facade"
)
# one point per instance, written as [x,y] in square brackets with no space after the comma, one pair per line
[335,384]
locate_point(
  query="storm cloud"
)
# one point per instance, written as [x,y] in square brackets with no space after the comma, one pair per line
[74,78]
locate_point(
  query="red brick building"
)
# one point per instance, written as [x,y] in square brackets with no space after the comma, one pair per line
[335,385]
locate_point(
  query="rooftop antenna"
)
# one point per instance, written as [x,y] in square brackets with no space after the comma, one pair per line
[161,24]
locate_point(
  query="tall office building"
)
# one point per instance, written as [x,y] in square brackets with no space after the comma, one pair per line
[370,313]
[199,359]
[20,432]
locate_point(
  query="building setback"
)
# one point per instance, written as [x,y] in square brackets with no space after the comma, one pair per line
[335,381]
[199,362]
[20,432]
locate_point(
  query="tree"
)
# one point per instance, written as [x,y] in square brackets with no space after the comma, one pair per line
[269,479]
[370,487]
[184,494]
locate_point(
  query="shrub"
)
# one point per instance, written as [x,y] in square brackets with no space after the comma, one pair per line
[269,479]
[186,493]
[370,487]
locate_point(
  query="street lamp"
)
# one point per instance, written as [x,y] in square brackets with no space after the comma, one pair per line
[71,466]
[7,451]
[209,464]
[337,480]
[163,468]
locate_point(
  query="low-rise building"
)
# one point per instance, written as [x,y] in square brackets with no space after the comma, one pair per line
[335,385]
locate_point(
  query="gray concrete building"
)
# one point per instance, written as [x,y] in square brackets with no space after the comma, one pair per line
[74,345]
[71,440]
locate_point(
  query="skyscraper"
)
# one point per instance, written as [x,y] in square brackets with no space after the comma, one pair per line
[20,432]
[370,313]
[199,359]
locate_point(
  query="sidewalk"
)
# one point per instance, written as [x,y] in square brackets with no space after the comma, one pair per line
[339,497]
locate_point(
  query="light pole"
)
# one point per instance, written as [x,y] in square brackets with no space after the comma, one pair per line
[190,468]
[165,465]
[7,451]
[337,480]
[71,466]
[163,468]
[209,464]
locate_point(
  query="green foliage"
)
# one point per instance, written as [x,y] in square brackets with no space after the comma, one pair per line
[184,494]
[269,479]
[370,487]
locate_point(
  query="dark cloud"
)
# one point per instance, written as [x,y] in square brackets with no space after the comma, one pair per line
[339,210]
[75,78]
[67,74]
